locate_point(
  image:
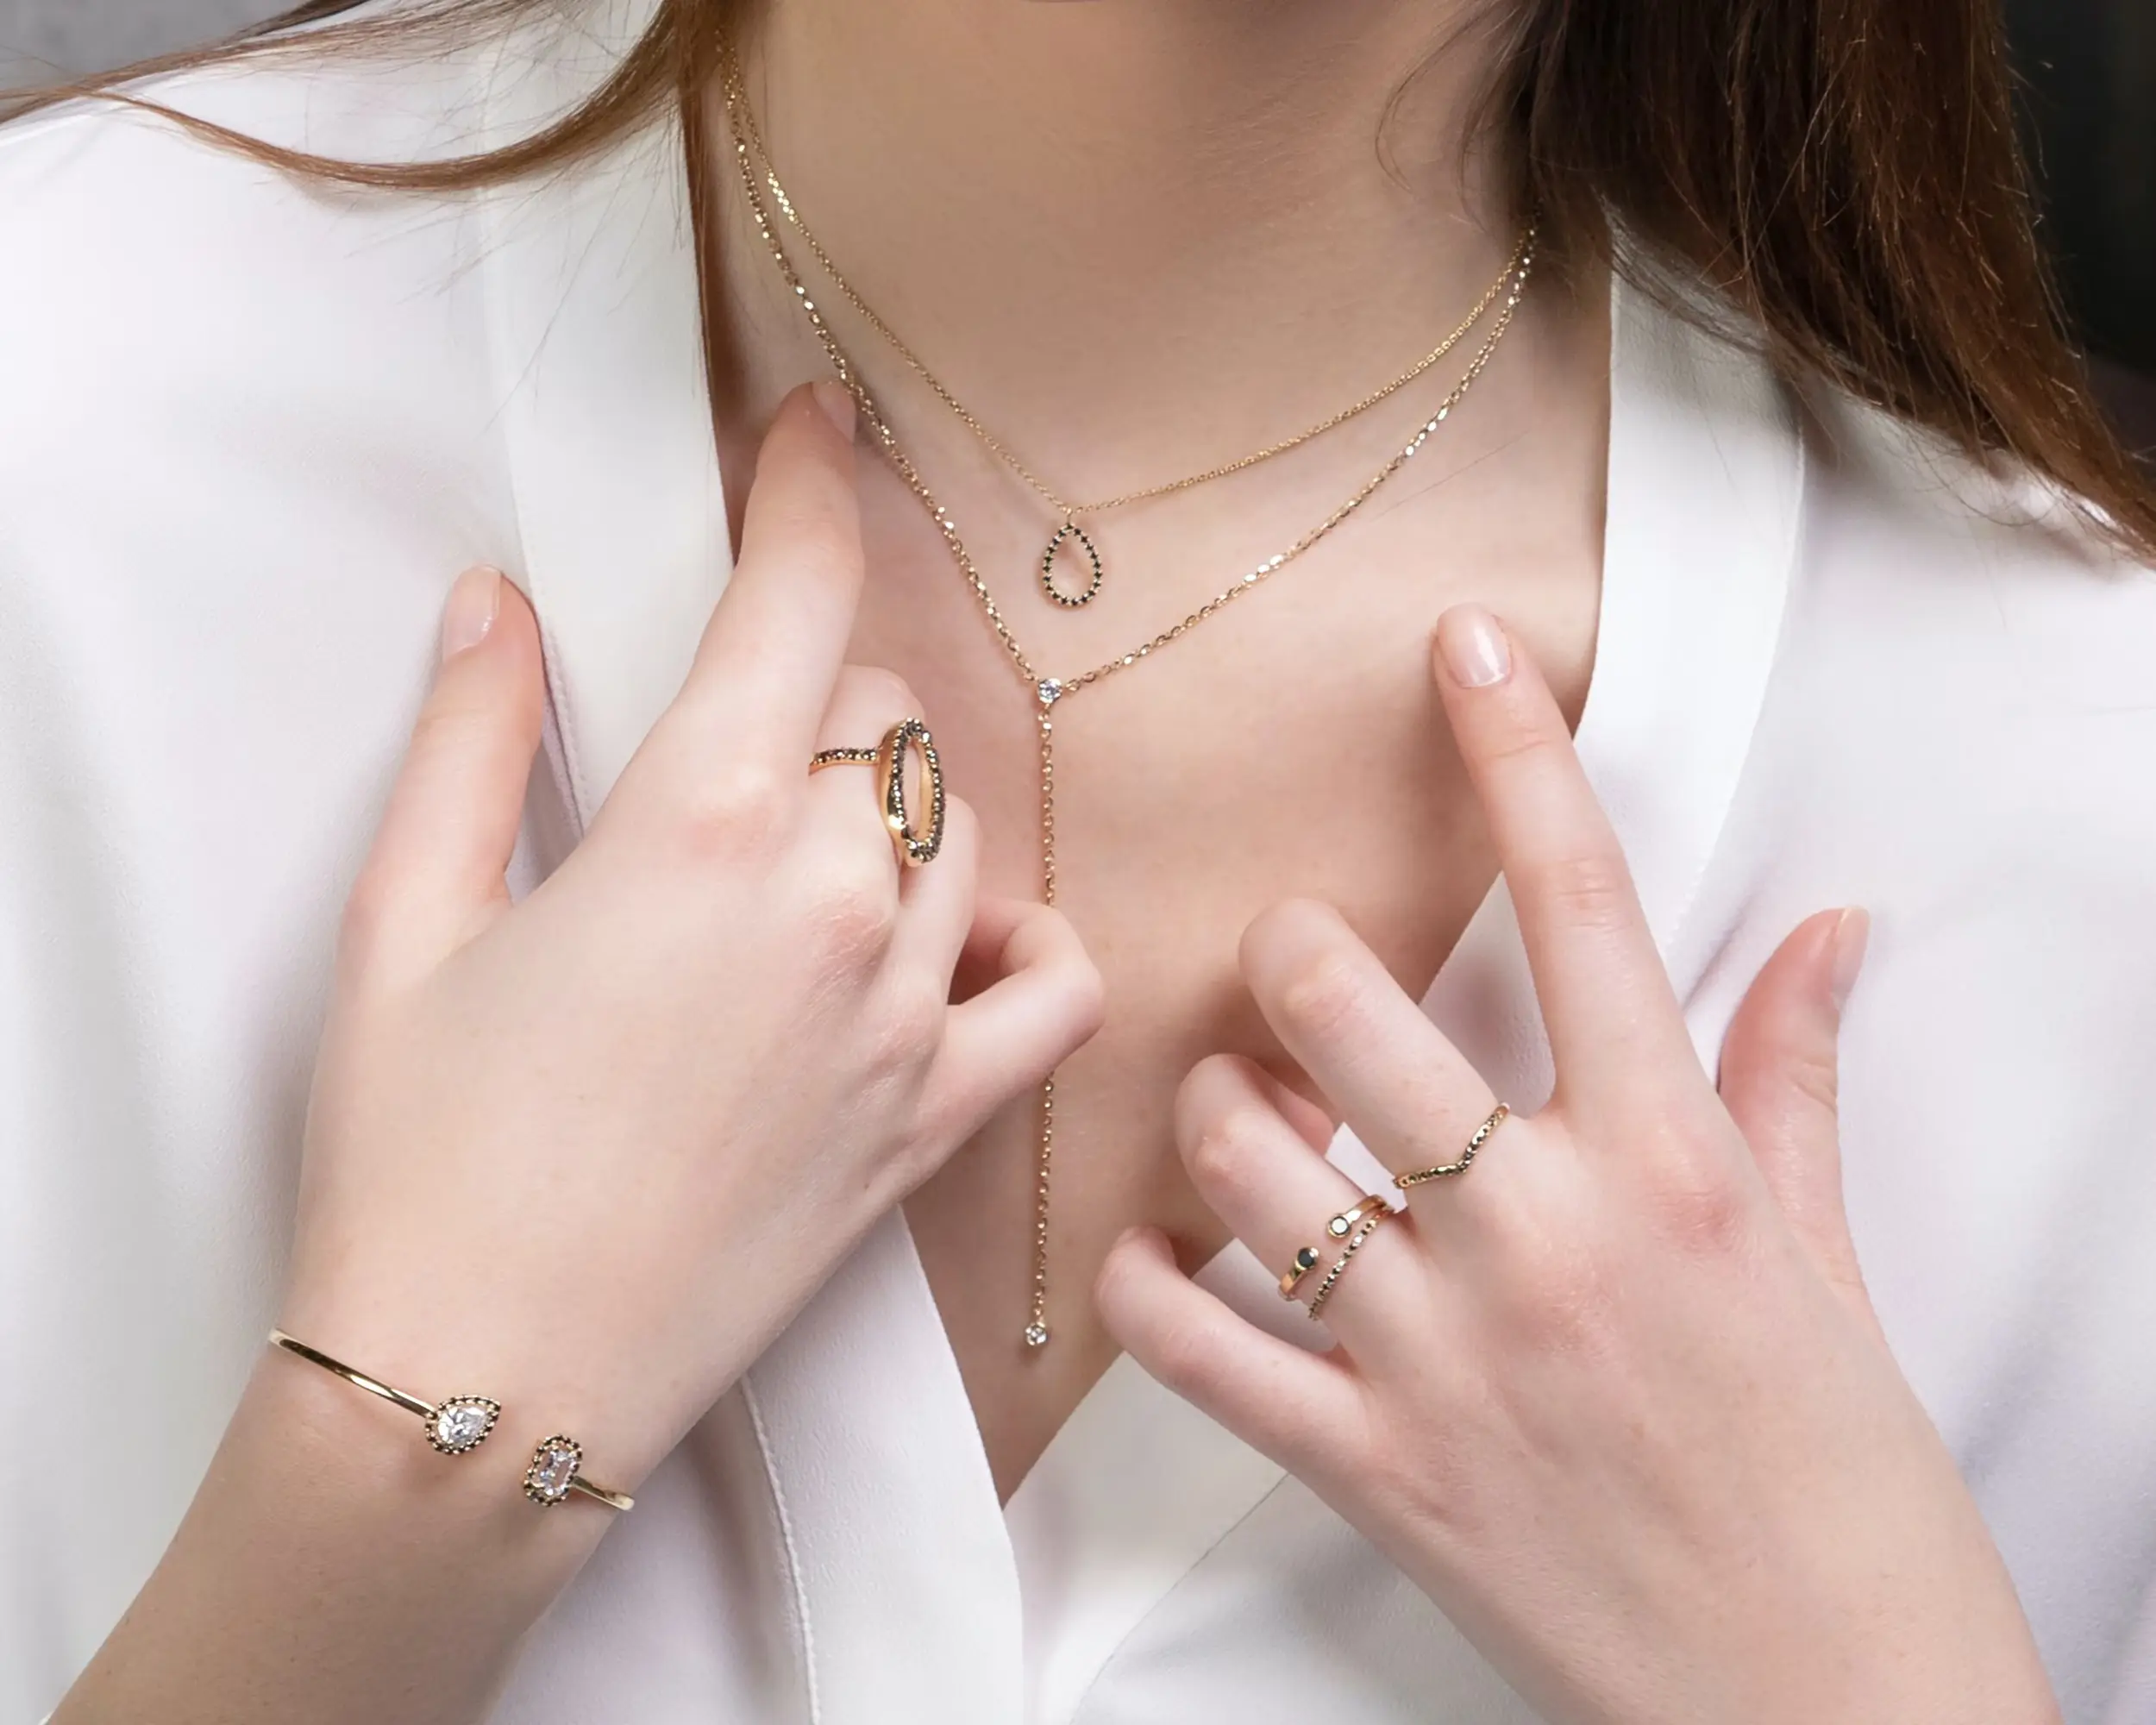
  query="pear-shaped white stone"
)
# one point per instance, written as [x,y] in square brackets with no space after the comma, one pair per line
[459,1427]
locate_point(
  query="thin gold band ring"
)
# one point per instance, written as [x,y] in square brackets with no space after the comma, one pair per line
[915,845]
[1446,1170]
[1375,1215]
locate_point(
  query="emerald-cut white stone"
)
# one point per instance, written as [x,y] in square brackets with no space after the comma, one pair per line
[553,1468]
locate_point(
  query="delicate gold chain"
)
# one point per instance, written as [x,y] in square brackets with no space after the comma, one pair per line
[1070,511]
[1048,691]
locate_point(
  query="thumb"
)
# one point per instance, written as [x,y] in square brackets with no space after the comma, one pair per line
[436,876]
[1779,1075]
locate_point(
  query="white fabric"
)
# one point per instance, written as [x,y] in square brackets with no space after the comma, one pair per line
[249,430]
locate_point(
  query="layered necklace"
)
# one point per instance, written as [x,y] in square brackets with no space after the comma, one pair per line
[762,189]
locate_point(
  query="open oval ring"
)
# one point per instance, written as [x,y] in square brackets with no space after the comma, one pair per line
[915,844]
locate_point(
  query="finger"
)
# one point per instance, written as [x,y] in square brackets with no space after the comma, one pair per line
[1043,1006]
[1281,1197]
[1606,999]
[765,669]
[434,876]
[935,918]
[1393,1075]
[1299,1407]
[1779,1080]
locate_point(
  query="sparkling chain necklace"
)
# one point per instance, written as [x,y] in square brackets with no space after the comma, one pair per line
[1047,692]
[1071,533]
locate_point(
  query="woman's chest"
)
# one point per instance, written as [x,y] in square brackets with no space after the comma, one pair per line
[1290,744]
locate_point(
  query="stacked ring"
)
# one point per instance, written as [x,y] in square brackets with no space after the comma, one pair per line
[1339,1228]
[1446,1170]
[1372,1215]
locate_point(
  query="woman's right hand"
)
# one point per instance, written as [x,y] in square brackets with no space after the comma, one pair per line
[588,1153]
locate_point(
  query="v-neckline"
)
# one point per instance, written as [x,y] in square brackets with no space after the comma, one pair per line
[877,1470]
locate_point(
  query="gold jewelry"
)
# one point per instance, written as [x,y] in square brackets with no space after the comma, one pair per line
[749,139]
[889,758]
[1048,691]
[1370,1223]
[1445,1170]
[1353,1217]
[460,1424]
[1305,1261]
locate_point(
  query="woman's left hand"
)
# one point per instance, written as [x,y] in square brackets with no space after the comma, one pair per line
[1614,1397]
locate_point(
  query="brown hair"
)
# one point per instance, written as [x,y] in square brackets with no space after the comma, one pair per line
[1845,172]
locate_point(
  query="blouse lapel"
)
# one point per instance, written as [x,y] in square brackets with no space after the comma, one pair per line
[902,1588]
[598,343]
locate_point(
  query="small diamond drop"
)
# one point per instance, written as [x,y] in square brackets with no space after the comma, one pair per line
[1050,690]
[1036,1335]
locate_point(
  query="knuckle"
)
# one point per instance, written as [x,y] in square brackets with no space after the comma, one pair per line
[880,690]
[446,724]
[857,914]
[1698,1209]
[913,1020]
[740,810]
[1183,1354]
[819,538]
[1324,999]
[1589,889]
[1225,1152]
[1816,1077]
[1569,1305]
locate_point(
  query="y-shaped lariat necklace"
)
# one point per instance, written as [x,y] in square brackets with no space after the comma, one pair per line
[1047,693]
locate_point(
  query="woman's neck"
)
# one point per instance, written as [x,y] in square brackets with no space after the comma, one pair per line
[1126,229]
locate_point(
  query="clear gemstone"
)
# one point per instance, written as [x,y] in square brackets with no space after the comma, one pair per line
[552,1470]
[1050,690]
[1036,1335]
[460,1425]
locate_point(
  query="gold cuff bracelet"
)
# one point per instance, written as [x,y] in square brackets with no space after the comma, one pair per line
[460,1424]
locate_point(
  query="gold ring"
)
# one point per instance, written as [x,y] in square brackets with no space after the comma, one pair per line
[1445,1170]
[460,1424]
[1305,1260]
[1374,1212]
[889,758]
[1351,1218]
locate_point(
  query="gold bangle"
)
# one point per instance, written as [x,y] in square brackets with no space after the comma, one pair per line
[1445,1170]
[915,845]
[460,1424]
[1374,1220]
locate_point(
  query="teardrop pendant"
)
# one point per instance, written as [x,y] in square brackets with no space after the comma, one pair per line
[1070,531]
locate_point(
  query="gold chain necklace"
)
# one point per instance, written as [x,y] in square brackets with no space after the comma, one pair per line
[1048,691]
[1072,532]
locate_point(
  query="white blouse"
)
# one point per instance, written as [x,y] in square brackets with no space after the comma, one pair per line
[250,429]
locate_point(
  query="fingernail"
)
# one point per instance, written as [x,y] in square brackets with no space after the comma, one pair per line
[1472,645]
[1852,935]
[474,602]
[837,403]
